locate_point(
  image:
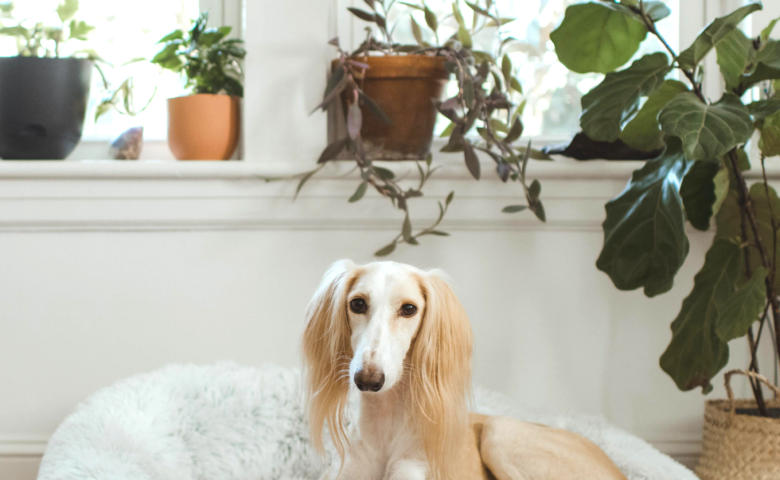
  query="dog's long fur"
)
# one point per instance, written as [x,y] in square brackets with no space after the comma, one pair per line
[432,392]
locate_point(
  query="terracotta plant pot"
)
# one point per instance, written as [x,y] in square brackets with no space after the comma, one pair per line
[203,126]
[404,87]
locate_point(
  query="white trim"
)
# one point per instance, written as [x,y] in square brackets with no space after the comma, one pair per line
[685,451]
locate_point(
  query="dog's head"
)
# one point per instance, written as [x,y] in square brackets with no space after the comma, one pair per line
[376,326]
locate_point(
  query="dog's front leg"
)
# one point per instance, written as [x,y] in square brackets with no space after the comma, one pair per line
[360,464]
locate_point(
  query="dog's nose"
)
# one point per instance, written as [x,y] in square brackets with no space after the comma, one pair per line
[369,379]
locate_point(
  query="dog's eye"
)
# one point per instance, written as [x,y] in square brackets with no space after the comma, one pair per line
[357,305]
[407,310]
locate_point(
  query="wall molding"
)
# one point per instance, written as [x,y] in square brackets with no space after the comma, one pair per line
[684,450]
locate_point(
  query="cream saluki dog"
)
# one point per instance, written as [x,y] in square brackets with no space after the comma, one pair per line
[403,339]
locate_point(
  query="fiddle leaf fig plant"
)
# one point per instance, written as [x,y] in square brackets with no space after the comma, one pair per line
[209,60]
[484,113]
[697,175]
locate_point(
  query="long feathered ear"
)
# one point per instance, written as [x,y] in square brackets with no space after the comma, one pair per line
[441,374]
[327,351]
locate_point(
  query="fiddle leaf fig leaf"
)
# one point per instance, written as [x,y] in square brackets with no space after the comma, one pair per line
[735,53]
[642,131]
[607,106]
[707,131]
[657,10]
[766,204]
[713,34]
[762,109]
[703,190]
[742,308]
[766,32]
[597,37]
[644,232]
[696,353]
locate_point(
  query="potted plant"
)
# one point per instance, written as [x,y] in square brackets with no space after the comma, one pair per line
[43,93]
[391,92]
[205,124]
[696,176]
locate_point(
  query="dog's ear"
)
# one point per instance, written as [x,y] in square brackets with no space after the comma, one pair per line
[441,373]
[327,351]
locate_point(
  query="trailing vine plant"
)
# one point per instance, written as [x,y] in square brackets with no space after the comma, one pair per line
[697,174]
[484,114]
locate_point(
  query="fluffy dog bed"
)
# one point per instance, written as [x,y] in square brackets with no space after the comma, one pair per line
[227,422]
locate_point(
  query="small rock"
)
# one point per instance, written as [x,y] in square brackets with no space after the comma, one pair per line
[127,146]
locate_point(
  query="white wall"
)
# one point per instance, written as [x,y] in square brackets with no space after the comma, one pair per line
[110,270]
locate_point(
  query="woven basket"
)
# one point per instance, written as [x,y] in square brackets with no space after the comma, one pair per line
[740,447]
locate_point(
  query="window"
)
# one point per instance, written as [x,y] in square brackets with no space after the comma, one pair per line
[123,31]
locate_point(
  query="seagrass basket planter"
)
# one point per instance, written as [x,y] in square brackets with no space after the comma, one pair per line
[738,446]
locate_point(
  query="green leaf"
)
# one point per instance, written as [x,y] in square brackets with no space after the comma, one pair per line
[761,109]
[514,208]
[439,233]
[479,10]
[715,32]
[303,181]
[506,68]
[17,31]
[332,150]
[361,190]
[79,30]
[417,32]
[67,9]
[514,83]
[375,109]
[385,251]
[464,37]
[212,36]
[729,221]
[703,189]
[607,106]
[472,162]
[597,37]
[449,198]
[498,125]
[642,132]
[644,232]
[696,353]
[447,131]
[457,14]
[384,173]
[430,19]
[362,14]
[535,189]
[770,140]
[768,30]
[406,230]
[735,53]
[657,10]
[174,35]
[538,209]
[514,132]
[742,308]
[707,131]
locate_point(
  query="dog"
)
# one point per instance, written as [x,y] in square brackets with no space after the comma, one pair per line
[400,336]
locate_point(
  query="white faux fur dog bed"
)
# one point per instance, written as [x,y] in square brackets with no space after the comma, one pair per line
[226,422]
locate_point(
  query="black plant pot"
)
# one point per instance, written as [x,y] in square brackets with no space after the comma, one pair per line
[42,106]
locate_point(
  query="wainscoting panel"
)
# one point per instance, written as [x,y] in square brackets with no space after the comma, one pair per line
[109,270]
